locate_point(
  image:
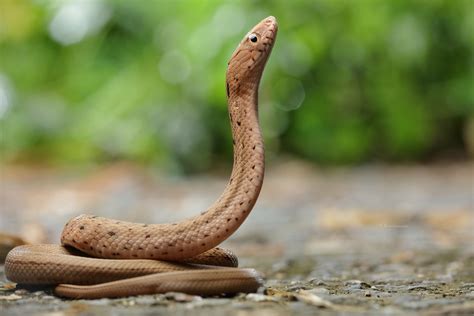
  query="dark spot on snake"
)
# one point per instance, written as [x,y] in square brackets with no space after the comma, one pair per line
[181,250]
[169,245]
[226,230]
[238,123]
[125,248]
[155,247]
[228,219]
[205,236]
[207,222]
[248,67]
[100,251]
[85,243]
[134,255]
[140,248]
[251,129]
[233,141]
[73,240]
[91,248]
[251,179]
[203,244]
[111,233]
[147,236]
[164,253]
[241,203]
[82,227]
[228,93]
[253,167]
[129,229]
[253,147]
[236,219]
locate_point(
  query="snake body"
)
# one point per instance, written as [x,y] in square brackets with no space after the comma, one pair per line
[93,249]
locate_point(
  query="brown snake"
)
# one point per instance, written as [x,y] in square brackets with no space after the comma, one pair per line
[90,263]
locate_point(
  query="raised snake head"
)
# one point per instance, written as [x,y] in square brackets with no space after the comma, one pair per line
[248,60]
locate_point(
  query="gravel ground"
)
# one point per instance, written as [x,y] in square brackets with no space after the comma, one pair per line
[370,240]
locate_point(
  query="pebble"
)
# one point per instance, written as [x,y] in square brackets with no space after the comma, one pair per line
[254,297]
[319,290]
[182,297]
[357,284]
[311,299]
[11,297]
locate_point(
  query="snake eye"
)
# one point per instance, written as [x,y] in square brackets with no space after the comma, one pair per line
[253,38]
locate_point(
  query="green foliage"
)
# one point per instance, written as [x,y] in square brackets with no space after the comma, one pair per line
[348,82]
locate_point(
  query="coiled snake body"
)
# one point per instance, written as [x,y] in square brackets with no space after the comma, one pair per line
[90,263]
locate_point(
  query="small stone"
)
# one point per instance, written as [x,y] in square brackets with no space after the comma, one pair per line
[182,297]
[145,300]
[357,284]
[21,292]
[9,286]
[319,290]
[11,297]
[316,282]
[311,299]
[260,298]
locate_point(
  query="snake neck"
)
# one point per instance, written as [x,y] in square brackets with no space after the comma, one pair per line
[249,160]
[245,183]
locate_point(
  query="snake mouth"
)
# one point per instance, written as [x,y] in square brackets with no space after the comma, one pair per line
[272,25]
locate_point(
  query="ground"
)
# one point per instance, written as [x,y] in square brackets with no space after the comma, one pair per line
[373,239]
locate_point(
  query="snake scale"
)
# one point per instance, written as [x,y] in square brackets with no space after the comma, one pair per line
[100,257]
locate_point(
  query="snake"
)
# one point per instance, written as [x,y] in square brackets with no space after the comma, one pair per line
[101,257]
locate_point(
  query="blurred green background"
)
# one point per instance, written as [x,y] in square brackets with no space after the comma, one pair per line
[349,82]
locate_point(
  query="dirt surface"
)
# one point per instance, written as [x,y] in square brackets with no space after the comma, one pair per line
[371,240]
